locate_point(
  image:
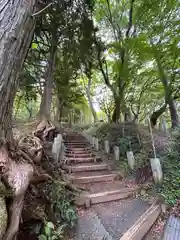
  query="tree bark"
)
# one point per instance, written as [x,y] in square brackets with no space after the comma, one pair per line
[45,106]
[17,28]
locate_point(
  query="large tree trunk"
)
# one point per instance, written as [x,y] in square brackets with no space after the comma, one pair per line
[45,107]
[17,27]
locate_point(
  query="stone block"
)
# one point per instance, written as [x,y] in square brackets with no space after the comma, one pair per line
[106,146]
[116,153]
[131,160]
[156,170]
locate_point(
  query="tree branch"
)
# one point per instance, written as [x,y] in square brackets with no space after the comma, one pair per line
[130,19]
[42,10]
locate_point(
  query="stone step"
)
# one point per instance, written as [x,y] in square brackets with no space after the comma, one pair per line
[93,178]
[86,167]
[75,142]
[103,186]
[80,160]
[79,152]
[93,198]
[78,148]
[78,155]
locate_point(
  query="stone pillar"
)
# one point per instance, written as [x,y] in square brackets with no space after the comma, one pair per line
[56,148]
[131,160]
[116,153]
[93,141]
[90,139]
[156,170]
[106,146]
[96,144]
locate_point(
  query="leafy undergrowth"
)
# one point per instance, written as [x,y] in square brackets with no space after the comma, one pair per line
[62,206]
[127,136]
[170,189]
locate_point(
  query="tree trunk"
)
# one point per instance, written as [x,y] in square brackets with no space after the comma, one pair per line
[127,114]
[59,108]
[116,112]
[17,107]
[17,28]
[173,113]
[167,90]
[92,109]
[45,106]
[154,117]
[90,100]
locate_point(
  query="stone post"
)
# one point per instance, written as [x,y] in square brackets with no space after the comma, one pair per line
[106,146]
[56,148]
[116,153]
[96,144]
[156,170]
[93,141]
[131,160]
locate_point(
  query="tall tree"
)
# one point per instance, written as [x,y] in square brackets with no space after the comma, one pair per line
[17,28]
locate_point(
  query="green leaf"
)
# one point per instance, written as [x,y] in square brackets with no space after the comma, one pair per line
[34,46]
[50,225]
[42,237]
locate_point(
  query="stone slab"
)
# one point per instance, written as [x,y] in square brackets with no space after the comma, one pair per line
[117,217]
[143,224]
[172,229]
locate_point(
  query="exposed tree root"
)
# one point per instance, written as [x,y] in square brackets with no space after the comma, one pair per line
[21,169]
[45,130]
[18,170]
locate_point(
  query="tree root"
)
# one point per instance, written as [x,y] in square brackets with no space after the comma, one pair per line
[18,170]
[43,130]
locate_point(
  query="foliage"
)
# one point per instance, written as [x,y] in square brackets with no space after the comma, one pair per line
[50,232]
[124,144]
[171,168]
[62,203]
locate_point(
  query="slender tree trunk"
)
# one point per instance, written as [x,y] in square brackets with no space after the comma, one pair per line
[59,107]
[90,100]
[17,107]
[17,28]
[45,106]
[92,109]
[167,90]
[173,113]
[127,114]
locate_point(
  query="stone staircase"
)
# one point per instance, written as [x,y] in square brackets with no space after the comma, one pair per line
[102,186]
[83,167]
